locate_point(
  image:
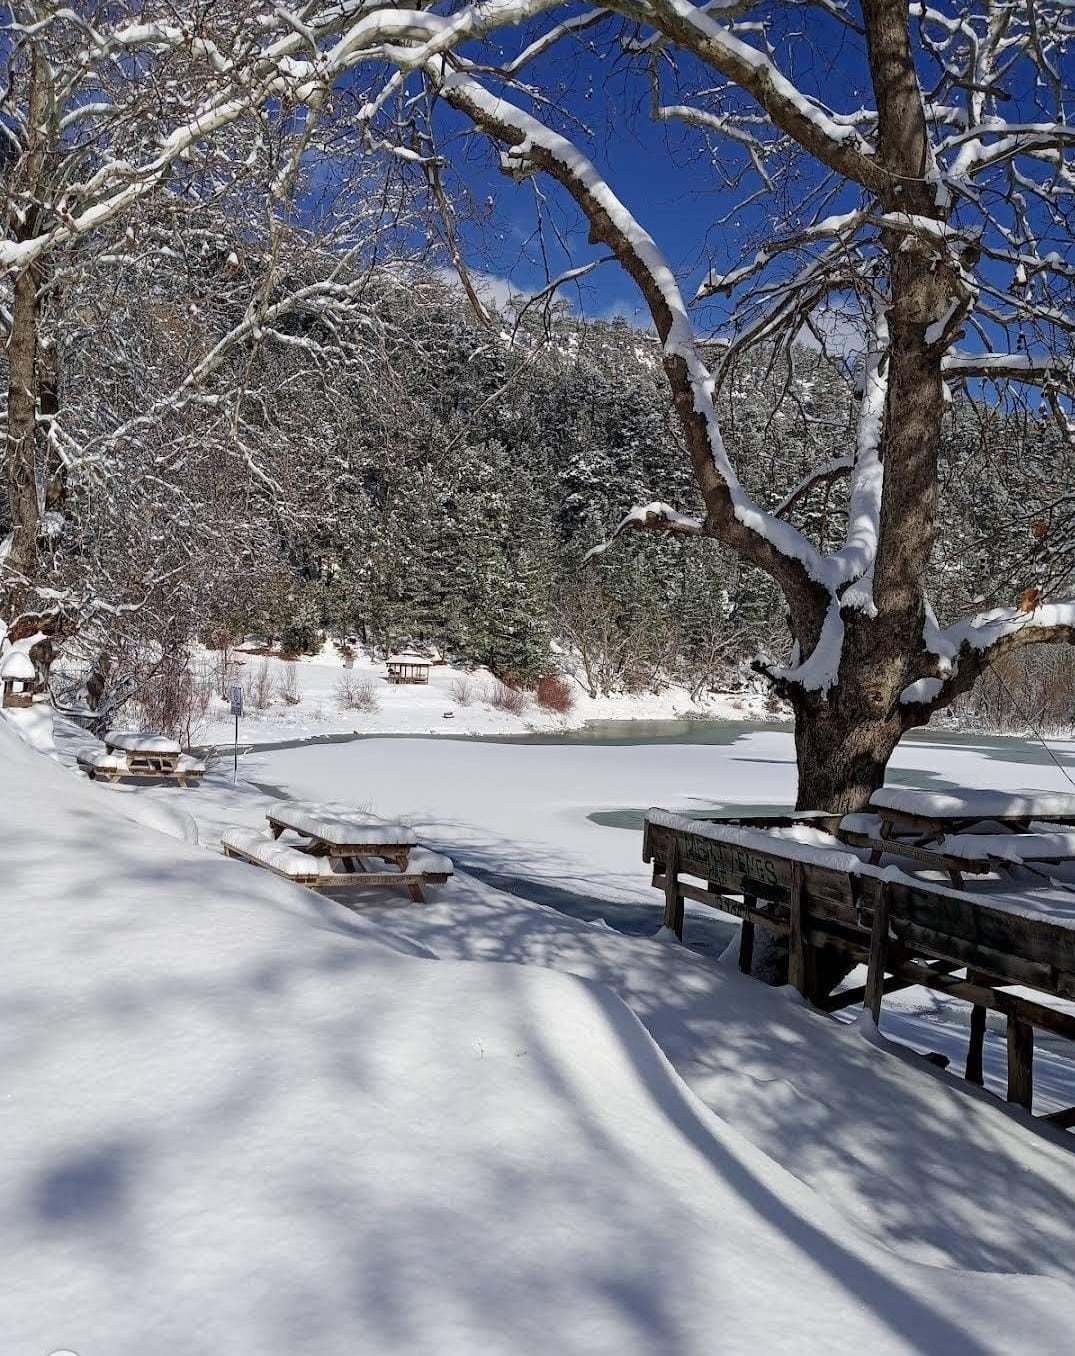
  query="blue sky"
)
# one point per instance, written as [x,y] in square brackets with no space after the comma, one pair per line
[663,172]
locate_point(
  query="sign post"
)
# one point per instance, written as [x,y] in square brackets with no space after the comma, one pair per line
[237,711]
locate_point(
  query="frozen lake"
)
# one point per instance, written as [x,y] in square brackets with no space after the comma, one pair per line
[557,818]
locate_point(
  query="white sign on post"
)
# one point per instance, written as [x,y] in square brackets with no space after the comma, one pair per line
[237,711]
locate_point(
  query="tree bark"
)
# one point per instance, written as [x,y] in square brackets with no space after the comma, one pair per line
[20,461]
[842,749]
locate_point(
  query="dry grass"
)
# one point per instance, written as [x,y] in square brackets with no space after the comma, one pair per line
[462,691]
[258,687]
[356,694]
[513,700]
[287,685]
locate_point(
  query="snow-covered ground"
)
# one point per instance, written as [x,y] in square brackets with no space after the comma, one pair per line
[237,1116]
[428,709]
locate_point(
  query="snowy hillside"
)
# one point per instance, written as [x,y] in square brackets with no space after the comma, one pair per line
[237,1116]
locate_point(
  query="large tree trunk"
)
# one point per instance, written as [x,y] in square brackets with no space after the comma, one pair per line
[841,751]
[20,459]
[843,741]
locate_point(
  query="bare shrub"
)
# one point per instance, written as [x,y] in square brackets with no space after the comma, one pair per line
[287,685]
[504,698]
[462,691]
[258,686]
[356,694]
[554,693]
[174,700]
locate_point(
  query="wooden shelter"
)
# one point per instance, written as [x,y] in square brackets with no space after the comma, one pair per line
[19,677]
[408,668]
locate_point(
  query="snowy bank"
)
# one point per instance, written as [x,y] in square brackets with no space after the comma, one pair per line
[237,1118]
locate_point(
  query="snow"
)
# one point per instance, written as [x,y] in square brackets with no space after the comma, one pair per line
[335,823]
[277,853]
[923,690]
[987,628]
[981,804]
[421,708]
[237,1116]
[17,666]
[136,741]
[1011,847]
[796,843]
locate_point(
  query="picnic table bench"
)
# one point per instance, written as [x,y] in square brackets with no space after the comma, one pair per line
[137,754]
[334,847]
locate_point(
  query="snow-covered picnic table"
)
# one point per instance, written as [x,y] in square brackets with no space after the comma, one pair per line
[940,812]
[137,754]
[974,832]
[330,845]
[988,849]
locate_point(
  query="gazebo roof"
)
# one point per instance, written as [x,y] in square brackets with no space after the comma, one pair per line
[17,665]
[413,660]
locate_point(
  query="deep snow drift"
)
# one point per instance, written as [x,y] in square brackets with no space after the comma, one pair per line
[238,1117]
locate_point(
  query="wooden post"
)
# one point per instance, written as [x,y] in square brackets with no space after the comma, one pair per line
[797,958]
[673,900]
[977,1044]
[875,974]
[746,938]
[974,1073]
[1020,1062]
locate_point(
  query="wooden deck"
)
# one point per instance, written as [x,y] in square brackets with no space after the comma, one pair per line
[907,932]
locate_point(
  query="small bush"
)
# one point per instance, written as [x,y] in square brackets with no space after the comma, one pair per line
[554,694]
[356,694]
[462,691]
[258,686]
[504,698]
[287,685]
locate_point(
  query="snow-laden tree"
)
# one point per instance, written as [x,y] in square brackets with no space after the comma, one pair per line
[912,168]
[932,194]
[169,315]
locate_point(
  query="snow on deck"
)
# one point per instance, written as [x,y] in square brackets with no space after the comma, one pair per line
[1011,847]
[795,842]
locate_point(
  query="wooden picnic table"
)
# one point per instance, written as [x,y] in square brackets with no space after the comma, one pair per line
[930,815]
[962,833]
[136,754]
[344,835]
[146,753]
[338,847]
